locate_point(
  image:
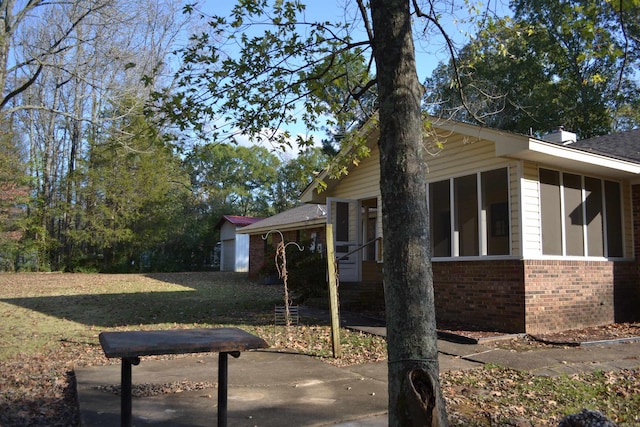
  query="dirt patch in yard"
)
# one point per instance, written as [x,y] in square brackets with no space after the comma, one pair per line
[617,331]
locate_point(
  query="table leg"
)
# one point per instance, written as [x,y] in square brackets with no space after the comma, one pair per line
[223,382]
[125,392]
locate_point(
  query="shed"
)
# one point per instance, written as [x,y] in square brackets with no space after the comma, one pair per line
[234,247]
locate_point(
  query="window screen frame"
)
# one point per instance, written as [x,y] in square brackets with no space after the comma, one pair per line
[601,232]
[490,215]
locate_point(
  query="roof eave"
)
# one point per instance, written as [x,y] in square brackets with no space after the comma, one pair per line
[298,225]
[310,193]
[566,157]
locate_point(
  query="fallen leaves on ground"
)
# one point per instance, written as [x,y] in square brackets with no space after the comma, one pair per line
[615,331]
[493,396]
[37,388]
[150,389]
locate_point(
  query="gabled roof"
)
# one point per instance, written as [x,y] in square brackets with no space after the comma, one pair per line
[523,147]
[623,162]
[624,145]
[305,216]
[238,221]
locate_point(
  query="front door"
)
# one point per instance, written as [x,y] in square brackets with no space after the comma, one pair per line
[344,214]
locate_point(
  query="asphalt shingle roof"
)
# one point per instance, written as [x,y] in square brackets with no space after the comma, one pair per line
[624,145]
[308,213]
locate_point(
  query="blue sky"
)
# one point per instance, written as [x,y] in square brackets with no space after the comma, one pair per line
[457,20]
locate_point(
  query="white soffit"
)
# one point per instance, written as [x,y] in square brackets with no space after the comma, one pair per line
[566,157]
[298,225]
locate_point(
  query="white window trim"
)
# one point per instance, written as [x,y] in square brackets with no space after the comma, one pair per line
[585,243]
[481,214]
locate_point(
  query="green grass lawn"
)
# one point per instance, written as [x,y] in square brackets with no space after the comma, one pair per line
[50,323]
[41,311]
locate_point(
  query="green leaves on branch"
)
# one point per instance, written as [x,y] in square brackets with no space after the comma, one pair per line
[556,63]
[265,67]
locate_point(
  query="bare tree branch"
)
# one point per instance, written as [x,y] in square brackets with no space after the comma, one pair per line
[452,54]
[53,48]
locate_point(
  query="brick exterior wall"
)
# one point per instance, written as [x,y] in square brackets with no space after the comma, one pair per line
[568,294]
[480,294]
[573,294]
[534,296]
[626,293]
[259,249]
[256,254]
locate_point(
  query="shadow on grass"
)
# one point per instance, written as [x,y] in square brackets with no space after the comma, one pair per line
[207,298]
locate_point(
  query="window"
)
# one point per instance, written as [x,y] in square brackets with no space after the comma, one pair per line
[573,215]
[580,216]
[550,200]
[613,203]
[440,218]
[465,230]
[594,216]
[495,209]
[480,222]
[342,227]
[342,221]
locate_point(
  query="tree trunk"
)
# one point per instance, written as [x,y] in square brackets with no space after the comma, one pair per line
[415,398]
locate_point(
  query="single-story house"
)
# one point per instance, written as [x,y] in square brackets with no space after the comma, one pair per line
[528,234]
[234,247]
[302,224]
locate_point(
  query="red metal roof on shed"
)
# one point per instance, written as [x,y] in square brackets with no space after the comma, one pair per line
[237,220]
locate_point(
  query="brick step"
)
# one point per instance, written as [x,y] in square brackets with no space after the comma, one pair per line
[359,295]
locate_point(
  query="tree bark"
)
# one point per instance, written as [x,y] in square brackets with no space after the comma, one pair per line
[415,398]
[11,17]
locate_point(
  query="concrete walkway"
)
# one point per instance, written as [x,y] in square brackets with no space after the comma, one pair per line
[268,388]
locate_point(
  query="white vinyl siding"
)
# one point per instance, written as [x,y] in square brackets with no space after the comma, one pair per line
[362,182]
[531,231]
[460,157]
[514,204]
[227,231]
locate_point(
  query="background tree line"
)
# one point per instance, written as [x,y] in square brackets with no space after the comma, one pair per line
[88,179]
[91,178]
[551,63]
